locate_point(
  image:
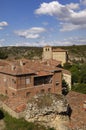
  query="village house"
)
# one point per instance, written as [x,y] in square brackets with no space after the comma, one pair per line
[55,54]
[66,75]
[25,78]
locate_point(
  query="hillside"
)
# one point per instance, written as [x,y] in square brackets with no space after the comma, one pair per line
[20,52]
[76,53]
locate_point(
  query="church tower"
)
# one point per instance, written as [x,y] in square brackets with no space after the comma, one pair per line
[47,52]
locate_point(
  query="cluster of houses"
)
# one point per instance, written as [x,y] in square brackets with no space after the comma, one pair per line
[25,78]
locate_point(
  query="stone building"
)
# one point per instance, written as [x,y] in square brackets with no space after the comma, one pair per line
[66,75]
[25,78]
[57,54]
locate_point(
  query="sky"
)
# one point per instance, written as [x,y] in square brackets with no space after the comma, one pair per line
[42,22]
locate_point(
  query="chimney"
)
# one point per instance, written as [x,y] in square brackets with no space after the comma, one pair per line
[22,63]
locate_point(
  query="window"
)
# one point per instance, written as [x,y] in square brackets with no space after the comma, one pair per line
[48,49]
[13,94]
[27,80]
[6,92]
[57,83]
[5,80]
[13,80]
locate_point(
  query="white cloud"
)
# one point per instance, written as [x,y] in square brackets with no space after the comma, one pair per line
[31,33]
[65,13]
[70,27]
[3,24]
[73,6]
[83,2]
[53,9]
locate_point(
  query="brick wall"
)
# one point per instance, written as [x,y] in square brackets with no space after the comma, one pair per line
[16,86]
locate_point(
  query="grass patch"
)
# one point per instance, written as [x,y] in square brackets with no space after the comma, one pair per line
[3,97]
[20,124]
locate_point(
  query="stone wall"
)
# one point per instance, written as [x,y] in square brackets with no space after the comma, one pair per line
[67,78]
[10,111]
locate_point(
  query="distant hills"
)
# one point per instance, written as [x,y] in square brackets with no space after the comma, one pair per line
[77,53]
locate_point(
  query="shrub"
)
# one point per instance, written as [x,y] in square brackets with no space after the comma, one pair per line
[81,88]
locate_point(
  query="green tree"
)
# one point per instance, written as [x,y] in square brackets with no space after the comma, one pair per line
[67,66]
[3,55]
[65,88]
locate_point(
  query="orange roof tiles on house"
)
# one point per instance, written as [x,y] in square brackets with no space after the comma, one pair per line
[52,62]
[59,50]
[66,71]
[43,73]
[3,63]
[78,115]
[17,104]
[20,108]
[16,70]
[21,67]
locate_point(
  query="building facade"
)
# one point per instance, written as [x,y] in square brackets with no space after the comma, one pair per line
[56,54]
[26,78]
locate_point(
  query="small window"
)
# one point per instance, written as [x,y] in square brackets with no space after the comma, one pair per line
[48,49]
[13,80]
[6,92]
[5,79]
[57,83]
[28,81]
[13,94]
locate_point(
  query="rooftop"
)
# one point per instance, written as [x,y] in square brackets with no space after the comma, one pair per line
[78,116]
[59,50]
[23,66]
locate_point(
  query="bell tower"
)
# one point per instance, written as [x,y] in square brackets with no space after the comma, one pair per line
[47,52]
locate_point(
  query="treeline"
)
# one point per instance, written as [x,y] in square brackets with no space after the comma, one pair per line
[36,52]
[78,72]
[20,52]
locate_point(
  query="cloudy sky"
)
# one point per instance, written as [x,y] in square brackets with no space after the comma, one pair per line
[42,22]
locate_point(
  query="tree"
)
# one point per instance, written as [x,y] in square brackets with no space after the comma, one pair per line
[65,89]
[3,55]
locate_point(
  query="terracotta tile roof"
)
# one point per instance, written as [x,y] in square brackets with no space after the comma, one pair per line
[3,63]
[52,62]
[59,50]
[78,115]
[16,70]
[43,73]
[16,103]
[66,71]
[21,67]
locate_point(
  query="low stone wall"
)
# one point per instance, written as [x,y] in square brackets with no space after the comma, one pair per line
[10,111]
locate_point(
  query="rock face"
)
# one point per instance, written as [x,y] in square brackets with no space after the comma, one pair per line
[48,109]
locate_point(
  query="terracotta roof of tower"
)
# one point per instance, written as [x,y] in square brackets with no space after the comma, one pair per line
[59,50]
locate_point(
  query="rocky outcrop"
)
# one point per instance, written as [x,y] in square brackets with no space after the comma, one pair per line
[49,110]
